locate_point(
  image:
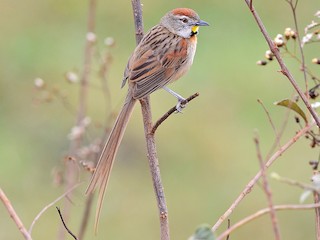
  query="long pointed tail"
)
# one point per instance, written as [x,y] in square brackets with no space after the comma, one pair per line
[104,166]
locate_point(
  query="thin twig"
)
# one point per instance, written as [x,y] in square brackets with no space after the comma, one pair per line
[254,180]
[86,216]
[267,190]
[265,211]
[75,144]
[50,205]
[295,183]
[171,111]
[229,224]
[277,142]
[6,202]
[303,67]
[285,71]
[65,226]
[316,198]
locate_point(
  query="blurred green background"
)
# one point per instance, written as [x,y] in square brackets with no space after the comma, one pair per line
[207,154]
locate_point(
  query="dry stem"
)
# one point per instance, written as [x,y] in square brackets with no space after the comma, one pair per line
[75,144]
[316,198]
[285,71]
[50,205]
[254,180]
[151,147]
[171,111]
[155,170]
[265,211]
[267,191]
[6,202]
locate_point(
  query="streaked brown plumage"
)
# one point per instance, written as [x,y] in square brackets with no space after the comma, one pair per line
[164,54]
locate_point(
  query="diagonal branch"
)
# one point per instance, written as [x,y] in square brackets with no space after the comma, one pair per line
[50,205]
[263,212]
[170,112]
[284,70]
[255,179]
[6,202]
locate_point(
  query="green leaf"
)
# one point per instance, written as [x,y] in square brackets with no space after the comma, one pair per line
[293,106]
[203,232]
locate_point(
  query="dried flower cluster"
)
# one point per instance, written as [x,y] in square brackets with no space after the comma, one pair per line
[280,41]
[311,35]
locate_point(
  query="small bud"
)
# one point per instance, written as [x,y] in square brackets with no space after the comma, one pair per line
[39,83]
[275,176]
[71,77]
[86,121]
[262,62]
[91,37]
[294,35]
[313,94]
[287,33]
[269,55]
[316,61]
[76,132]
[279,41]
[109,42]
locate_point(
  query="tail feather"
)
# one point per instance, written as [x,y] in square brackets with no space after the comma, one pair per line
[105,163]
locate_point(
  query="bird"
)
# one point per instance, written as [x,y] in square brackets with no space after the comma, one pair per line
[164,55]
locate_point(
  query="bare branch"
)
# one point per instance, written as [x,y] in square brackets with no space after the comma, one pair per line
[267,190]
[285,71]
[150,140]
[316,198]
[265,211]
[50,205]
[6,202]
[253,181]
[138,20]
[303,65]
[155,170]
[295,183]
[85,216]
[171,111]
[75,144]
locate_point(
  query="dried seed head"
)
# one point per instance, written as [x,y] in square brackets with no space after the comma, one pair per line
[91,37]
[109,41]
[279,41]
[313,94]
[262,62]
[269,55]
[316,61]
[289,33]
[39,83]
[72,77]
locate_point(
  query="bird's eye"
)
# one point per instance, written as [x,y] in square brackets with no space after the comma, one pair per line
[184,20]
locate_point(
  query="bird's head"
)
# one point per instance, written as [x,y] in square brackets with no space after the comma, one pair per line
[184,22]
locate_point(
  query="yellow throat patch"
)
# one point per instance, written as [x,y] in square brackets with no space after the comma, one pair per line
[195,29]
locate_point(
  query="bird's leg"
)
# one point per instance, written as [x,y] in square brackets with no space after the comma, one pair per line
[181,99]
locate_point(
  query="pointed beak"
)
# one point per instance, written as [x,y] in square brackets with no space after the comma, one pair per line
[202,23]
